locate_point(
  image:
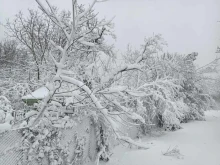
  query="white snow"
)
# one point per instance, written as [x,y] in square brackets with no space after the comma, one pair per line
[30,113]
[23,124]
[198,143]
[87,43]
[4,127]
[211,75]
[9,117]
[2,115]
[5,99]
[38,94]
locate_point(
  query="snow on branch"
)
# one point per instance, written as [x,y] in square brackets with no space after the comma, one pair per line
[85,37]
[104,111]
[86,11]
[118,89]
[129,113]
[86,43]
[130,141]
[51,14]
[123,69]
[106,22]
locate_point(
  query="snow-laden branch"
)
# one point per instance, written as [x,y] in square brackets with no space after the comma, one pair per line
[130,114]
[118,89]
[86,43]
[58,64]
[79,16]
[51,14]
[130,141]
[106,22]
[67,72]
[160,83]
[56,46]
[104,111]
[5,99]
[123,69]
[136,93]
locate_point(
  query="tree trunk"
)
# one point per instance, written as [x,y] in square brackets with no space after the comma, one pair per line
[38,73]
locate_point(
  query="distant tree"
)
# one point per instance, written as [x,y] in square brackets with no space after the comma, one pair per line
[8,52]
[33,33]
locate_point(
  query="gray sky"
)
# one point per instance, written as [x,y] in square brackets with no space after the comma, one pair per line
[186,25]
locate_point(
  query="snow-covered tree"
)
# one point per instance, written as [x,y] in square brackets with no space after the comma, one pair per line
[14,75]
[85,73]
[170,82]
[33,33]
[155,78]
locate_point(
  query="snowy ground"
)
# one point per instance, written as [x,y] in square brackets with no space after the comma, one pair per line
[198,143]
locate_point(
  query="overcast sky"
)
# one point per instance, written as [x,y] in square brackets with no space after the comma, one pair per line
[186,25]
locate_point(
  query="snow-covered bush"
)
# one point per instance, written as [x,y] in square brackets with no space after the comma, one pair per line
[170,83]
[41,141]
[170,121]
[14,92]
[160,87]
[6,119]
[193,100]
[5,104]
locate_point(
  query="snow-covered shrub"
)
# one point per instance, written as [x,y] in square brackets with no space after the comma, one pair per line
[197,102]
[44,142]
[172,115]
[180,109]
[194,100]
[41,141]
[14,93]
[169,82]
[6,118]
[159,86]
[5,104]
[170,121]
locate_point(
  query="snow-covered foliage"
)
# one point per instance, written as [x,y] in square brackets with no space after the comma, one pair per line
[172,94]
[14,92]
[87,76]
[209,80]
[6,118]
[80,62]
[45,140]
[84,78]
[5,104]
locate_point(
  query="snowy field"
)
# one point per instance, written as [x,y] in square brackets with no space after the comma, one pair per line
[198,143]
